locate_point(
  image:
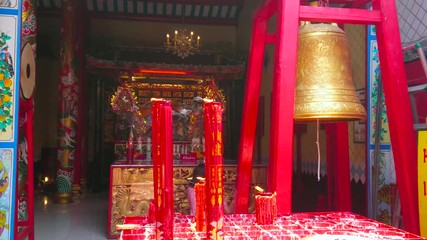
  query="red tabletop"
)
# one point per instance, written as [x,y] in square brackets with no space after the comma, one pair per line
[328,225]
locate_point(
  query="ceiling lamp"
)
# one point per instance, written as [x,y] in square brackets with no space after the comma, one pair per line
[183,43]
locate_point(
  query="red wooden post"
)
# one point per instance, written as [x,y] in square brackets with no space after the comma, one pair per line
[250,111]
[30,171]
[339,157]
[384,16]
[68,141]
[401,123]
[282,125]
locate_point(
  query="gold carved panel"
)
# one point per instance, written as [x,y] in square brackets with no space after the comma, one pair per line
[131,190]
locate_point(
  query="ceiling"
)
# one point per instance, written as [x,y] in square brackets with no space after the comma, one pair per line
[217,12]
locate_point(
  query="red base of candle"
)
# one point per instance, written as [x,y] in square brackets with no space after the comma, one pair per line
[200,217]
[152,212]
[266,208]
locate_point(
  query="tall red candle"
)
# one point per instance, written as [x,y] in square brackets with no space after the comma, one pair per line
[162,167]
[214,170]
[200,192]
[129,148]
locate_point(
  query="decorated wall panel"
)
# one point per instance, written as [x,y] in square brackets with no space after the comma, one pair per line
[10,45]
[9,49]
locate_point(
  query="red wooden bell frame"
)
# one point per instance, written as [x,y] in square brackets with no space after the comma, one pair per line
[288,14]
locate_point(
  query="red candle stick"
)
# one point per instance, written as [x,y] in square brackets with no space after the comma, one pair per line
[152,212]
[214,170]
[265,207]
[129,148]
[162,167]
[200,191]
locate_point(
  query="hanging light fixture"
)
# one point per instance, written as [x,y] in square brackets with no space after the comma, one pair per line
[183,43]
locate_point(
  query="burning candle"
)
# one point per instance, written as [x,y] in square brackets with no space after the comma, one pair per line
[214,169]
[198,41]
[265,206]
[167,39]
[162,167]
[200,191]
[191,36]
[175,37]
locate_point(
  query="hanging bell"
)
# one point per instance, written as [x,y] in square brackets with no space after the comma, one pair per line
[324,85]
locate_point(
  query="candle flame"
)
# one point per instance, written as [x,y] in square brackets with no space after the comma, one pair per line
[207,100]
[259,189]
[201,178]
[160,100]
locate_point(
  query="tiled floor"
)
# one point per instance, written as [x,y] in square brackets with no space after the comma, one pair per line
[85,219]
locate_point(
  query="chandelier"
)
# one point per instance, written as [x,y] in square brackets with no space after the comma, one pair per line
[183,43]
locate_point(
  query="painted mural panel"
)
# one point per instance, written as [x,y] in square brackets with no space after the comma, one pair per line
[375,75]
[9,4]
[385,190]
[8,43]
[6,156]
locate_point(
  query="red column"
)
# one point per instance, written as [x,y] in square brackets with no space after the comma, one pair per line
[163,167]
[250,111]
[68,106]
[79,71]
[214,170]
[398,111]
[282,122]
[338,158]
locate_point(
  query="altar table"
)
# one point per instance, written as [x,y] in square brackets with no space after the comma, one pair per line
[323,225]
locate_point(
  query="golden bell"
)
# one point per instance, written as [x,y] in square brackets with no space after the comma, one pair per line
[324,85]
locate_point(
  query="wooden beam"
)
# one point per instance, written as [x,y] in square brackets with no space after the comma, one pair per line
[266,9]
[250,112]
[202,2]
[282,110]
[339,15]
[359,3]
[168,19]
[270,38]
[401,123]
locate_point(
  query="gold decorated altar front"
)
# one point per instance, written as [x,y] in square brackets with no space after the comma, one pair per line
[131,190]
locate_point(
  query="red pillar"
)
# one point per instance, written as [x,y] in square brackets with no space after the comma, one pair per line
[80,23]
[401,123]
[68,107]
[281,131]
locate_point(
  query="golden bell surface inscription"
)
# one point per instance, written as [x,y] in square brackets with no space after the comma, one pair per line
[324,85]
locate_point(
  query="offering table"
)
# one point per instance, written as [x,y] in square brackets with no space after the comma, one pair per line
[321,225]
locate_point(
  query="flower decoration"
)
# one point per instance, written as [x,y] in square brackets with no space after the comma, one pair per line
[124,100]
[6,74]
[212,91]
